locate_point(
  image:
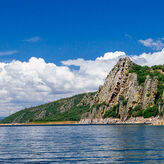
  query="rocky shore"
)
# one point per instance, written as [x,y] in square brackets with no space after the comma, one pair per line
[137,120]
[131,121]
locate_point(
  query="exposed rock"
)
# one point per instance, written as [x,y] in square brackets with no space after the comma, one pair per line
[40,114]
[86,99]
[138,120]
[123,112]
[118,83]
[121,83]
[149,92]
[114,83]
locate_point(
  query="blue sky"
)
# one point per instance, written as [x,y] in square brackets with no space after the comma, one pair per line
[73,29]
[50,49]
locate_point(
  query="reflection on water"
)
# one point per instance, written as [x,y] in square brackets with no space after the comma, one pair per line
[82,144]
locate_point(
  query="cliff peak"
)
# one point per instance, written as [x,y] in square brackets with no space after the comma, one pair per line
[115,82]
[122,87]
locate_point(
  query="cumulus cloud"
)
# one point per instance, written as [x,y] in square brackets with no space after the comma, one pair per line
[25,84]
[33,39]
[5,53]
[154,44]
[150,59]
[111,55]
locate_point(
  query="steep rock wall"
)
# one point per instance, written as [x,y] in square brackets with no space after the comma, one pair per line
[120,83]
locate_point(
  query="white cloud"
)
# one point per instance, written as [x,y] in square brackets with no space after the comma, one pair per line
[111,55]
[5,53]
[154,44]
[33,39]
[150,59]
[25,84]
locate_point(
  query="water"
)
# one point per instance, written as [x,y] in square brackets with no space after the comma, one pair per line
[82,144]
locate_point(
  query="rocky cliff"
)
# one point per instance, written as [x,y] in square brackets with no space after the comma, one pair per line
[123,96]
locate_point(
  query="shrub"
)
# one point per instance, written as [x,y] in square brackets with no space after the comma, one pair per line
[150,111]
[113,112]
[161,113]
[147,114]
[110,113]
[137,107]
[136,111]
[125,102]
[141,72]
[115,107]
[121,98]
[158,67]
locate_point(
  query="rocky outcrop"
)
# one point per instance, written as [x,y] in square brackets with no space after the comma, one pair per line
[138,120]
[161,105]
[149,92]
[114,83]
[122,87]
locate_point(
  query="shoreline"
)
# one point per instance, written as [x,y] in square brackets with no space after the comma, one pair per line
[108,121]
[131,121]
[74,124]
[40,123]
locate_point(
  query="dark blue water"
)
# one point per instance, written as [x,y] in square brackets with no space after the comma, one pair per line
[82,144]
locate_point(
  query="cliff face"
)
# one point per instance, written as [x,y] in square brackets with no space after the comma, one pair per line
[115,83]
[121,93]
[149,92]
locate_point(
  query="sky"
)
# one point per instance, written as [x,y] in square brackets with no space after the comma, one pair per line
[54,49]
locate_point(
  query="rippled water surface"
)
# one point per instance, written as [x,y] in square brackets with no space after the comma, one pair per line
[82,144]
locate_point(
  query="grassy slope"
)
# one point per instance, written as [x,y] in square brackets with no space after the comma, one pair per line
[67,109]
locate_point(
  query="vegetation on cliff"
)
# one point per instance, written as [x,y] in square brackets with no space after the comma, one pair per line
[143,71]
[113,112]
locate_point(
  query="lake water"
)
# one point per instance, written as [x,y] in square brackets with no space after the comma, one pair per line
[82,144]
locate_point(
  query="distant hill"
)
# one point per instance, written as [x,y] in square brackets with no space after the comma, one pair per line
[130,90]
[67,109]
[1,118]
